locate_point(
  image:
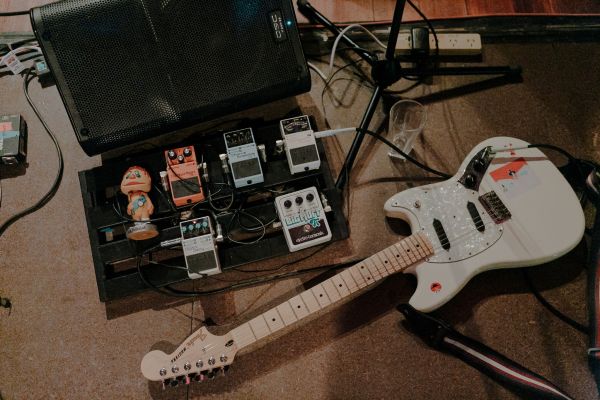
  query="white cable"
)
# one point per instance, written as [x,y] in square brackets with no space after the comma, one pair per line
[342,33]
[317,70]
[333,132]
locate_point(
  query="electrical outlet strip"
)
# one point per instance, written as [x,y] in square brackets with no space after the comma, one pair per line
[450,44]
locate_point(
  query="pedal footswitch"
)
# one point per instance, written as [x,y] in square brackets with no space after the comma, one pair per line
[243,158]
[300,144]
[184,178]
[303,219]
[199,248]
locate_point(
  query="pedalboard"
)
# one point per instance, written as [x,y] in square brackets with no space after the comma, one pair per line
[300,144]
[13,140]
[184,178]
[303,219]
[243,158]
[199,248]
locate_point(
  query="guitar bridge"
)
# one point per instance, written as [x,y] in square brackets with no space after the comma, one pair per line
[495,207]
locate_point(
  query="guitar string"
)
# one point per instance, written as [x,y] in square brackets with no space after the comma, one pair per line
[456,240]
[383,273]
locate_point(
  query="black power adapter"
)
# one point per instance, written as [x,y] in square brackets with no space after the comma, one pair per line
[13,140]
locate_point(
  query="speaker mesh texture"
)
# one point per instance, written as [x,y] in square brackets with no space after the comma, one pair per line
[129,69]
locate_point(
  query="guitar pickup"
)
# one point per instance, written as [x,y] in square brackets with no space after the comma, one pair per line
[441,234]
[479,225]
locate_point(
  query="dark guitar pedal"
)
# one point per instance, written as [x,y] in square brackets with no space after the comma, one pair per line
[184,178]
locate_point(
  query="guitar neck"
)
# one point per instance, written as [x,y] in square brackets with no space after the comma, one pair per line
[395,258]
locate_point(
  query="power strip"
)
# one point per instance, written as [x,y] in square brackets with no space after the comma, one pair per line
[450,44]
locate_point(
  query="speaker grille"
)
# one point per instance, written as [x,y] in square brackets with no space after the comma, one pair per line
[130,69]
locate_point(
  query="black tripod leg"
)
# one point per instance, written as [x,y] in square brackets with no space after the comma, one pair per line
[358,139]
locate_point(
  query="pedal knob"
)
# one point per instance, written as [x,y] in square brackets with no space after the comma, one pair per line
[479,165]
[171,154]
[310,197]
[299,200]
[180,159]
[470,181]
[287,204]
[187,152]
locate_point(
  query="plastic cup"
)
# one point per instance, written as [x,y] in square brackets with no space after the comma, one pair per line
[407,120]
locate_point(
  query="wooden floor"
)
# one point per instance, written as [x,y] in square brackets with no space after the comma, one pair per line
[381,10]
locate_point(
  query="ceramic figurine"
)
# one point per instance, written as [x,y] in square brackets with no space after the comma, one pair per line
[136,184]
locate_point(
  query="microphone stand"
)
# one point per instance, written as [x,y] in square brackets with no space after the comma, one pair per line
[387,71]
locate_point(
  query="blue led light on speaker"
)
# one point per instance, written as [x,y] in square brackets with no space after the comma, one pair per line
[288,23]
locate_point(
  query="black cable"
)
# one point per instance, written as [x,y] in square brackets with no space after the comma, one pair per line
[403,154]
[574,324]
[52,191]
[13,13]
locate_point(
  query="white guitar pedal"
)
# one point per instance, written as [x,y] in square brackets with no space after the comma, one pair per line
[199,248]
[303,219]
[243,158]
[300,144]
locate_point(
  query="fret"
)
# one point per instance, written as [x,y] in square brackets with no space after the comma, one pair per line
[414,250]
[299,307]
[425,244]
[385,262]
[360,280]
[340,285]
[408,251]
[259,327]
[320,295]
[362,269]
[310,301]
[243,335]
[351,284]
[391,256]
[287,314]
[405,259]
[372,268]
[274,320]
[332,293]
[379,264]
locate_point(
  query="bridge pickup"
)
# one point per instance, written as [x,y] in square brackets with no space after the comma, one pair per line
[479,225]
[441,234]
[495,207]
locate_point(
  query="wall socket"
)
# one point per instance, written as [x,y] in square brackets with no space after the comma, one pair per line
[450,44]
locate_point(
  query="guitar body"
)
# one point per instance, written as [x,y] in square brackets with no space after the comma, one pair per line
[546,220]
[508,206]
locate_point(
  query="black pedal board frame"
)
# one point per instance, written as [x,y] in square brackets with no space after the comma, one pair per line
[115,261]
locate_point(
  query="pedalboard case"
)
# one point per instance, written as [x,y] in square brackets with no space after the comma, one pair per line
[114,256]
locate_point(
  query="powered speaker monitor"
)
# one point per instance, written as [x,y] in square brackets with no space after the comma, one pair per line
[129,70]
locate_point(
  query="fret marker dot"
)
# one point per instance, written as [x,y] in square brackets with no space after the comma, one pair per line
[340,285]
[273,319]
[298,306]
[321,295]
[407,250]
[362,267]
[368,277]
[417,245]
[385,261]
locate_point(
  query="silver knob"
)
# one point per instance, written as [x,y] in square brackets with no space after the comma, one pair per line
[163,371]
[187,366]
[223,358]
[211,361]
[199,364]
[175,369]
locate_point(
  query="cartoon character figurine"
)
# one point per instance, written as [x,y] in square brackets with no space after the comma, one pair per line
[136,184]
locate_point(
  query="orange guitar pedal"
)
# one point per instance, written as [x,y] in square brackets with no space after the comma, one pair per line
[184,179]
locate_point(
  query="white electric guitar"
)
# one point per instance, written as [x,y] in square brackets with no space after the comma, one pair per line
[508,206]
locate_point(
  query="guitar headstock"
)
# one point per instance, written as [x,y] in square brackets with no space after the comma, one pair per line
[202,355]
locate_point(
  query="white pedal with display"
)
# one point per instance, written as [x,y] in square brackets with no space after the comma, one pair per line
[199,249]
[300,144]
[303,219]
[243,158]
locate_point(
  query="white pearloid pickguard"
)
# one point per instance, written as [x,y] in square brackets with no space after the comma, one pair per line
[447,202]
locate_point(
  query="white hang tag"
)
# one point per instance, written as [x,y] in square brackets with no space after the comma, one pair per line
[13,63]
